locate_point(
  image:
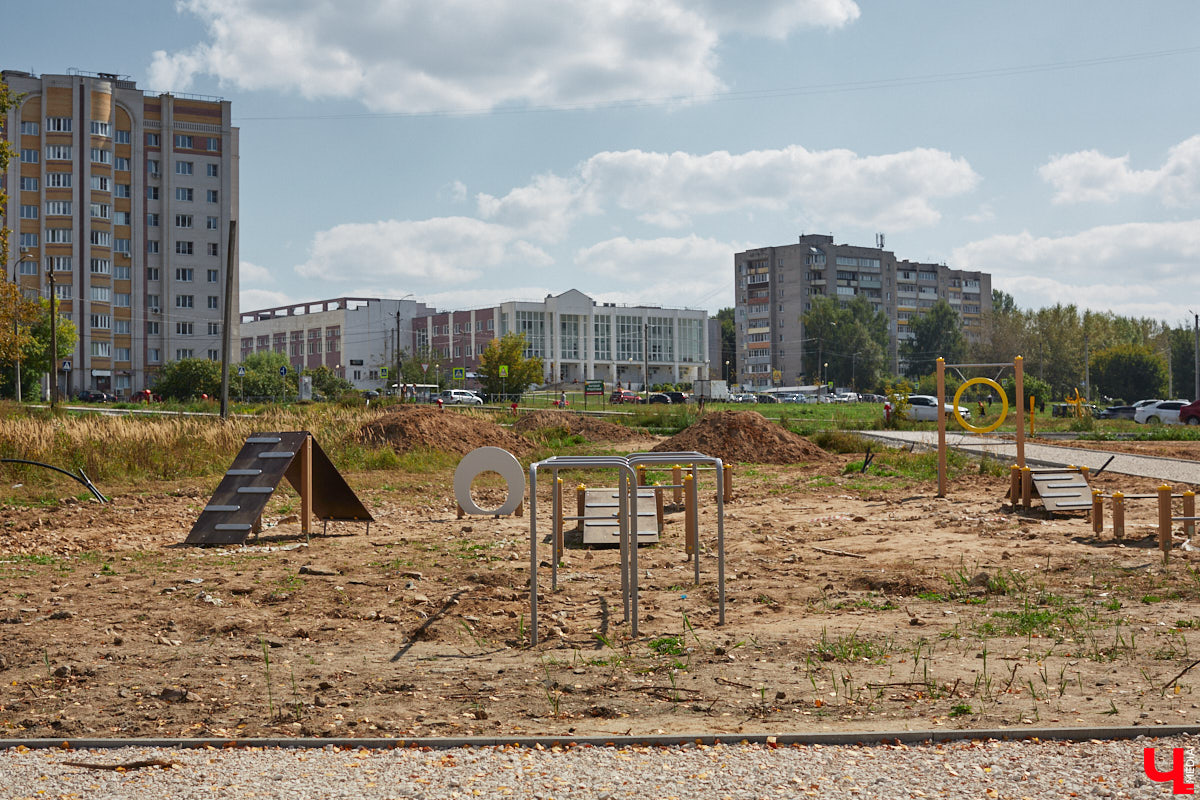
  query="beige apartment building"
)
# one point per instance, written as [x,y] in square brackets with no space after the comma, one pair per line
[125,198]
[774,287]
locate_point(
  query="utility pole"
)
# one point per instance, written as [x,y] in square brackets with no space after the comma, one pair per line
[1196,373]
[53,342]
[227,319]
[1087,373]
[399,377]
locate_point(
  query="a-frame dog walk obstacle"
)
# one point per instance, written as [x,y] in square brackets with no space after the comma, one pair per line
[237,505]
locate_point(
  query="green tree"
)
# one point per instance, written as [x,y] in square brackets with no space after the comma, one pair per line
[262,378]
[189,378]
[16,311]
[1031,386]
[508,351]
[411,371]
[1130,372]
[937,332]
[326,382]
[728,342]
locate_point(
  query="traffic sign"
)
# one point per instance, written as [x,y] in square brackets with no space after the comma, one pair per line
[283,371]
[383,372]
[241,372]
[424,367]
[66,366]
[460,373]
[503,370]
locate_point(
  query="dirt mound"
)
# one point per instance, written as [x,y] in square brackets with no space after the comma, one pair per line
[590,428]
[745,436]
[427,428]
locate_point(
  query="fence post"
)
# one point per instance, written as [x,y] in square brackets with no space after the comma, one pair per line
[1164,521]
[1189,510]
[1097,511]
[690,518]
[1118,506]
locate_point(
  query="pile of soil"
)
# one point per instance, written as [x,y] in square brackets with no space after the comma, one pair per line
[408,428]
[744,436]
[590,428]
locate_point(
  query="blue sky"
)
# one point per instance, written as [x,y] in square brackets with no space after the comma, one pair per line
[475,151]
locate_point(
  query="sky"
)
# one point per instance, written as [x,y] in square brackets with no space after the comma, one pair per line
[469,152]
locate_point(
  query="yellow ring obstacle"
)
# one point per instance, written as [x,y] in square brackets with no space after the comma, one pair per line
[1003,410]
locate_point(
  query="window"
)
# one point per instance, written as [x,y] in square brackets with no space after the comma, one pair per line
[153,355]
[185,301]
[122,273]
[63,291]
[29,156]
[29,212]
[101,128]
[58,180]
[183,329]
[102,321]
[101,183]
[183,353]
[29,240]
[183,167]
[183,220]
[122,218]
[211,223]
[152,220]
[59,263]
[102,156]
[59,235]
[214,144]
[184,141]
[151,192]
[101,266]
[28,268]
[152,246]
[184,274]
[29,184]
[122,354]
[211,195]
[58,124]
[212,301]
[184,194]
[152,273]
[214,249]
[153,304]
[152,167]
[101,349]
[213,276]
[152,329]
[121,245]
[101,294]
[122,164]
[314,342]
[58,152]
[30,128]
[183,248]
[121,137]
[213,170]
[214,354]
[102,238]
[101,211]
[153,140]
[214,329]
[121,326]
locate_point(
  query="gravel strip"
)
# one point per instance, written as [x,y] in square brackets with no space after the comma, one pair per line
[976,769]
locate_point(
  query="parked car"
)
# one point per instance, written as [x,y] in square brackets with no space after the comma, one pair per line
[659,397]
[872,398]
[1190,414]
[620,396]
[923,408]
[96,396]
[766,398]
[1164,411]
[677,397]
[743,398]
[460,397]
[1116,412]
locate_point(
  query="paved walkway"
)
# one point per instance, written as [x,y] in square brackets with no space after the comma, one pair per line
[1171,470]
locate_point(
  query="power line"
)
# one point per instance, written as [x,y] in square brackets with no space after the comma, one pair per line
[753,94]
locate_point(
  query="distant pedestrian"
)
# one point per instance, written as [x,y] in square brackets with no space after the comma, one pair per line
[562,400]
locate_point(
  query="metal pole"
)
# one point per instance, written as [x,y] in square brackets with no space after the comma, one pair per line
[53,342]
[1196,374]
[227,322]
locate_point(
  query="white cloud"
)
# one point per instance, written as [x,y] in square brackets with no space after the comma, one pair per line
[835,187]
[253,274]
[687,271]
[425,55]
[254,299]
[1090,176]
[417,254]
[1139,269]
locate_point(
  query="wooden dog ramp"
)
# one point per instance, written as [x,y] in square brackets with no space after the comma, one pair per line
[1063,490]
[600,525]
[237,505]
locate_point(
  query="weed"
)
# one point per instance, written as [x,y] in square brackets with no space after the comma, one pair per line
[267,671]
[668,645]
[961,710]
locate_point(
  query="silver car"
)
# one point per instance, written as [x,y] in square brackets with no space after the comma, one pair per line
[923,408]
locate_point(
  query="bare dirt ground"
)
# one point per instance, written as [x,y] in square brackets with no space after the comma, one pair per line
[855,601]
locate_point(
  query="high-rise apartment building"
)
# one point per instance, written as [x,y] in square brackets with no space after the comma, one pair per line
[774,287]
[125,197]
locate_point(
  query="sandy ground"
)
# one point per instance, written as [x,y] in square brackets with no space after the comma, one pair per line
[855,601]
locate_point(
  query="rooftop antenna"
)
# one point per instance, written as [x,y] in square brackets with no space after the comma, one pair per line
[879,240]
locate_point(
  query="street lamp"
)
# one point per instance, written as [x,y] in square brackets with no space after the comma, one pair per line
[825,379]
[726,370]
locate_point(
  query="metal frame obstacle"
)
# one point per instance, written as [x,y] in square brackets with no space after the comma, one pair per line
[1018,365]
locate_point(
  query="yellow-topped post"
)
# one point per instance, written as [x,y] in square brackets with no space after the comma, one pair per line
[941,420]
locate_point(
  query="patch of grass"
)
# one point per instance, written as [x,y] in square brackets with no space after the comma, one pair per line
[668,646]
[853,648]
[961,710]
